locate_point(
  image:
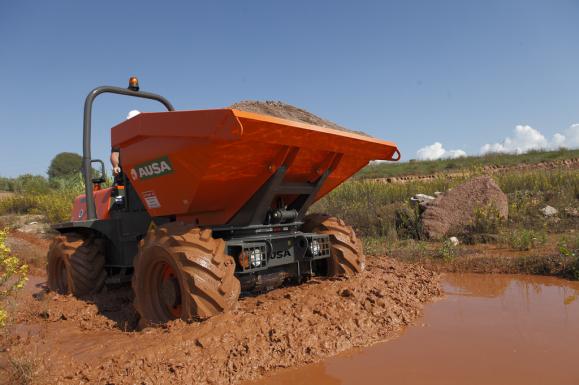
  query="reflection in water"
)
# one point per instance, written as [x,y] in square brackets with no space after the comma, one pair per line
[308,375]
[487,285]
[491,329]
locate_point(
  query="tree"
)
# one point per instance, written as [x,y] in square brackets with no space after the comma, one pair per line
[64,164]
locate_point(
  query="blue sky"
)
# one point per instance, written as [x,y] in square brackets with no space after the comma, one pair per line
[462,73]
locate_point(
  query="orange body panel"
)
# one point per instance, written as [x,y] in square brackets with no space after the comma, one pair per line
[205,165]
[102,200]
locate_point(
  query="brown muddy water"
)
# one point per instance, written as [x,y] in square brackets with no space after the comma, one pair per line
[489,329]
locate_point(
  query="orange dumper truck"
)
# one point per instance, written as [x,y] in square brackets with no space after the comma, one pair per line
[210,203]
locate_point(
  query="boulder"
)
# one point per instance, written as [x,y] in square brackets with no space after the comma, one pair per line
[453,210]
[422,200]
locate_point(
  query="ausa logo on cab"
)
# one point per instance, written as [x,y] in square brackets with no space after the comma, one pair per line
[152,168]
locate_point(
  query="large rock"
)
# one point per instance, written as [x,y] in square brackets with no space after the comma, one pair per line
[452,211]
[422,200]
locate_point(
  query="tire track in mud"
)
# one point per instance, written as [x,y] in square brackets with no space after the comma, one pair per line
[283,328]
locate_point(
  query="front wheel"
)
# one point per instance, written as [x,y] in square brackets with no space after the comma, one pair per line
[346,255]
[76,264]
[183,272]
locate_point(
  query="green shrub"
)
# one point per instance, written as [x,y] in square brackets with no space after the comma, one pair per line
[447,251]
[408,225]
[568,247]
[525,239]
[485,226]
[6,184]
[31,184]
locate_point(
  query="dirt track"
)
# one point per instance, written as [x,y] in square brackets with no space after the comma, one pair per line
[69,341]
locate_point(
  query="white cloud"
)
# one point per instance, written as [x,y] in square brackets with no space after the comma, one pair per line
[527,138]
[133,113]
[558,140]
[453,154]
[437,151]
[572,136]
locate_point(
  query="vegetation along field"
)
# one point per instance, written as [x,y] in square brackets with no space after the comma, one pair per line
[528,241]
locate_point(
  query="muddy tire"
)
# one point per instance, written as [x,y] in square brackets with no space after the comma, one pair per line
[183,272]
[76,264]
[347,257]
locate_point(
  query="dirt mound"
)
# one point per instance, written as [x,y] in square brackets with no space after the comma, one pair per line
[449,213]
[82,342]
[287,111]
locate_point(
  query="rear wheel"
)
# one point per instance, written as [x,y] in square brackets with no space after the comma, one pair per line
[346,255]
[76,264]
[183,272]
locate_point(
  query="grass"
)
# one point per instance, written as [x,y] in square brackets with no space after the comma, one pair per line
[525,239]
[383,209]
[23,369]
[541,259]
[469,163]
[371,206]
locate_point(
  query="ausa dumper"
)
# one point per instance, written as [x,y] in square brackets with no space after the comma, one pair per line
[210,203]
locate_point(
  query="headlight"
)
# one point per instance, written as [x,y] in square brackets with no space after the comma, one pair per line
[315,248]
[256,258]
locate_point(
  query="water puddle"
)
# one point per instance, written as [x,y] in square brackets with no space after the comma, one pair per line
[490,329]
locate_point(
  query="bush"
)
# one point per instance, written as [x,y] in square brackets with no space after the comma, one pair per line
[55,204]
[64,164]
[32,184]
[408,225]
[525,239]
[6,184]
[569,247]
[485,226]
[447,251]
[13,275]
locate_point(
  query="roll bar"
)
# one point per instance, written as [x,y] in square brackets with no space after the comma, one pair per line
[132,90]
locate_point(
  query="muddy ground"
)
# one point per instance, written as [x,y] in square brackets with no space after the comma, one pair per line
[62,340]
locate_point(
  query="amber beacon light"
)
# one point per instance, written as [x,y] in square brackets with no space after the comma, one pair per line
[133,83]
